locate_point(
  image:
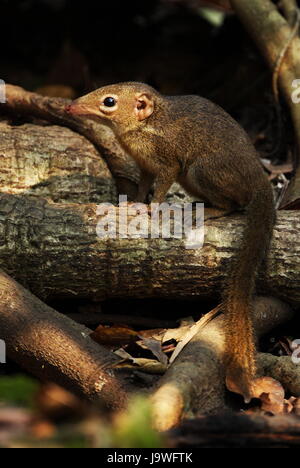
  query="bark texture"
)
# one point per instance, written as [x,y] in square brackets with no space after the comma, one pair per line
[54,250]
[54,348]
[53,162]
[24,103]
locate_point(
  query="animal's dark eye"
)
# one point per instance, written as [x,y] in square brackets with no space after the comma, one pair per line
[109,101]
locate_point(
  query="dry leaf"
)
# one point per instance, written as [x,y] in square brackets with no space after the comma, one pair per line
[194,330]
[114,336]
[271,394]
[156,333]
[155,347]
[169,347]
[151,366]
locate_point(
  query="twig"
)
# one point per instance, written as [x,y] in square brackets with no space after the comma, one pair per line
[282,54]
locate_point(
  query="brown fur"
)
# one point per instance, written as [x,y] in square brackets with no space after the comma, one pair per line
[193,141]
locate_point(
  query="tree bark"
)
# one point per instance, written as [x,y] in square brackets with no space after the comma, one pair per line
[54,251]
[53,162]
[24,103]
[54,348]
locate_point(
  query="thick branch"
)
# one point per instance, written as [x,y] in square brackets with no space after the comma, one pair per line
[53,347]
[54,250]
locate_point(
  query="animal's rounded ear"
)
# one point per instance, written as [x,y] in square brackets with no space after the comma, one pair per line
[144,106]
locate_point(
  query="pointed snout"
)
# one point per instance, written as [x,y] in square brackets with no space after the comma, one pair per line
[75,108]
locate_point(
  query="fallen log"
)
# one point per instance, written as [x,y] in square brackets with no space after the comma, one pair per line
[54,250]
[54,348]
[53,162]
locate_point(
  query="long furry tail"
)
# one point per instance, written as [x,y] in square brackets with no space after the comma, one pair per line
[239,338]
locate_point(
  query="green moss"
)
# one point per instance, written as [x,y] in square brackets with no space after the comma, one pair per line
[18,390]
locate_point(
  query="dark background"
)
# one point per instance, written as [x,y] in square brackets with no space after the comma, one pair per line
[164,43]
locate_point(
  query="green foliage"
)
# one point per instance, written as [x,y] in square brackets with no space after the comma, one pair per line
[18,390]
[133,428]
